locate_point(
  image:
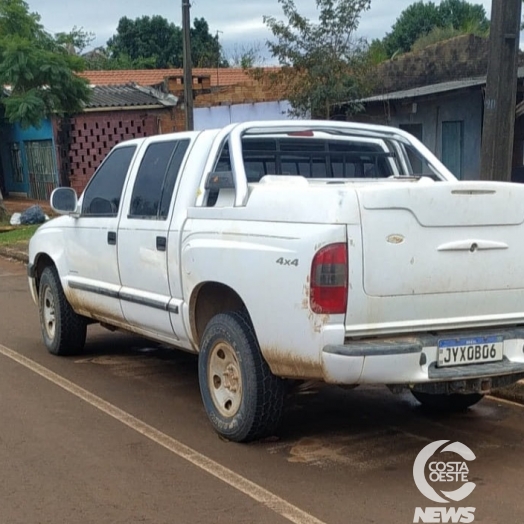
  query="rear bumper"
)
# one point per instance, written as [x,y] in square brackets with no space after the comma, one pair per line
[412,361]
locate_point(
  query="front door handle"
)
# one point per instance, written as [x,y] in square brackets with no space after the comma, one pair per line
[161,243]
[111,238]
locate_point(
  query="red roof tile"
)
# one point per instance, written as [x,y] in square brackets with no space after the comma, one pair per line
[150,77]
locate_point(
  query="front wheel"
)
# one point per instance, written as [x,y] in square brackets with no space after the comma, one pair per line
[63,331]
[243,399]
[450,403]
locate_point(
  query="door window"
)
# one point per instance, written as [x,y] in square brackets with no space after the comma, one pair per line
[156,178]
[102,195]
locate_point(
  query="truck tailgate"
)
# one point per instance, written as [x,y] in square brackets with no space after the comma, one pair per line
[441,251]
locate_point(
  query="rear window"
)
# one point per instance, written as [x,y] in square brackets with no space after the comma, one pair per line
[310,158]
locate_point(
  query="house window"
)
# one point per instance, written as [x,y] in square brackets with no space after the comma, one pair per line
[452,146]
[413,129]
[16,164]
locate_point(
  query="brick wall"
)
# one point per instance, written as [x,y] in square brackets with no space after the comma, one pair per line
[85,140]
[248,92]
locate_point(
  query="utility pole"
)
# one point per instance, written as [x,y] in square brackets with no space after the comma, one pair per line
[501,91]
[188,68]
[218,59]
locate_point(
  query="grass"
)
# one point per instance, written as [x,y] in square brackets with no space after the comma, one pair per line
[18,235]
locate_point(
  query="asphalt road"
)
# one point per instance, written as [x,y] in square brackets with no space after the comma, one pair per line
[119,435]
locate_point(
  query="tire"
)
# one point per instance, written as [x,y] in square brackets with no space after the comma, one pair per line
[63,331]
[242,398]
[448,403]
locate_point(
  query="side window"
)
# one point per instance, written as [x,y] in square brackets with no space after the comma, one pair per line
[102,195]
[171,177]
[156,178]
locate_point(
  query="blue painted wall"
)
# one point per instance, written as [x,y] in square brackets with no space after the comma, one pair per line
[15,134]
[463,107]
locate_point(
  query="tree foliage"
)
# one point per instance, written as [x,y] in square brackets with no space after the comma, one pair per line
[39,71]
[100,59]
[206,50]
[154,42]
[320,60]
[437,34]
[246,56]
[76,41]
[421,18]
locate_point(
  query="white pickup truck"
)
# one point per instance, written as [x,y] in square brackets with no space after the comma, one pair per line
[302,250]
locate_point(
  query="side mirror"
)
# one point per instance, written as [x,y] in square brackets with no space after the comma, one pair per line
[220,180]
[64,200]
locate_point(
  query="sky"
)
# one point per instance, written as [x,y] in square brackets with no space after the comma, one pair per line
[239,22]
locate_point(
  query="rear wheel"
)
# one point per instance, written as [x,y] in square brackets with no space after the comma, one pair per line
[243,399]
[450,403]
[63,331]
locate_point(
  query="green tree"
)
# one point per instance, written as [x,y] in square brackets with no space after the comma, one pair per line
[206,50]
[437,34]
[40,73]
[100,59]
[421,18]
[154,42]
[320,60]
[38,70]
[153,38]
[246,56]
[376,52]
[76,41]
[462,15]
[415,21]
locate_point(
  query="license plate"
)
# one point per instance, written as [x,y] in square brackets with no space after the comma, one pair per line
[475,350]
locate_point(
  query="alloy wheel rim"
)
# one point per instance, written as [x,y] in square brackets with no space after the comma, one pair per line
[49,313]
[225,379]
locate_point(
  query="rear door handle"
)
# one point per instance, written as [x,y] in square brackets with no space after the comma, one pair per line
[161,243]
[111,238]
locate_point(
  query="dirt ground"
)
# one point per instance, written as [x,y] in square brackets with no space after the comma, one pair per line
[18,204]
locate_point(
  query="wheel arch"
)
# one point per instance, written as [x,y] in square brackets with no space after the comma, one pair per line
[42,260]
[209,299]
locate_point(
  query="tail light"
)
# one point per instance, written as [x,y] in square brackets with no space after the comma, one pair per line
[329,280]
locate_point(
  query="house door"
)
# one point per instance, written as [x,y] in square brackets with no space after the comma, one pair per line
[452,146]
[41,167]
[17,182]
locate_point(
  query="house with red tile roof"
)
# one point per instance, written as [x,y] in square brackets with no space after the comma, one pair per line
[66,151]
[133,103]
[153,77]
[221,95]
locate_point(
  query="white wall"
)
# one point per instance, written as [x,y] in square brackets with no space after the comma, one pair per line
[220,116]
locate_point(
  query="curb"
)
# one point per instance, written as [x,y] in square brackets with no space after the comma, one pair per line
[14,254]
[514,393]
